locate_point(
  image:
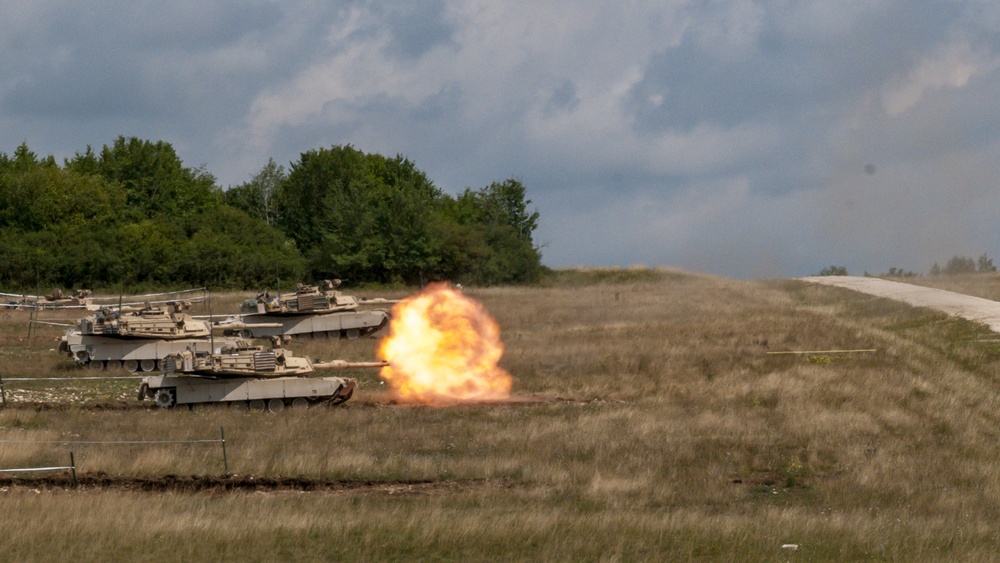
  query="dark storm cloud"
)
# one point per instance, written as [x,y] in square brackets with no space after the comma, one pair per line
[736,137]
[416,28]
[778,72]
[563,98]
[87,61]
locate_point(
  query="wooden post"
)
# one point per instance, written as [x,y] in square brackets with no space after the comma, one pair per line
[72,468]
[31,322]
[3,394]
[225,459]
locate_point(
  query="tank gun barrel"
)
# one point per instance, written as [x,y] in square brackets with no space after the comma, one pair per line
[238,325]
[343,364]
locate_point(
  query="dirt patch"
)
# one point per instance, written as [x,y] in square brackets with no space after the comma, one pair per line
[240,483]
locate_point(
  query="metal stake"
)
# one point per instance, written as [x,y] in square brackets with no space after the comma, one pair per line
[3,394]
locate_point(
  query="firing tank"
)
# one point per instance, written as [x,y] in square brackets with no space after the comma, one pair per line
[137,339]
[246,375]
[317,311]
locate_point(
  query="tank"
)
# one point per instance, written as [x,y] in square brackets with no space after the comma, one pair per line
[79,299]
[250,376]
[137,339]
[168,323]
[317,311]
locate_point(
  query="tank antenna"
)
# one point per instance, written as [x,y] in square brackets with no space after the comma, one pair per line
[211,333]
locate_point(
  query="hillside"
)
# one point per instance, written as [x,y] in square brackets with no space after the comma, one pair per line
[658,415]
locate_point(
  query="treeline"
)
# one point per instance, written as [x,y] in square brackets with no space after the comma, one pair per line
[965,265]
[956,265]
[133,215]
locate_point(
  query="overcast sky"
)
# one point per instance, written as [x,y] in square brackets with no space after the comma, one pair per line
[751,139]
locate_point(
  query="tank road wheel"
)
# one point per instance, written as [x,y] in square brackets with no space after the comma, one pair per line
[257,405]
[238,405]
[276,405]
[114,365]
[352,333]
[131,366]
[300,403]
[147,365]
[245,333]
[95,365]
[165,398]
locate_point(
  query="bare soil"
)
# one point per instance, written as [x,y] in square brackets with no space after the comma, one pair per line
[238,483]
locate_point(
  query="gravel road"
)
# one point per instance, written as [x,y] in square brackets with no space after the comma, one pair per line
[957,304]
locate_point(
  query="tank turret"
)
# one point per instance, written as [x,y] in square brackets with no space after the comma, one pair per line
[247,360]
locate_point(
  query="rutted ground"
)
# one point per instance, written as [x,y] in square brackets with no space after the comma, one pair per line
[240,483]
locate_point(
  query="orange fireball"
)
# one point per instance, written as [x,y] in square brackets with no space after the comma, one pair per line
[443,347]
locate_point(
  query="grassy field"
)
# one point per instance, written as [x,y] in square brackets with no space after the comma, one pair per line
[653,419]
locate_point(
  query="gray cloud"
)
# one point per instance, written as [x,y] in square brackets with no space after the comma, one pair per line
[731,137]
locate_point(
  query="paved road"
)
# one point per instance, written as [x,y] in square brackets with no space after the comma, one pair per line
[966,306]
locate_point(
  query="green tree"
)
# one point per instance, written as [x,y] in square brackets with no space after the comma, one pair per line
[155,180]
[504,204]
[360,216]
[985,265]
[84,163]
[501,237]
[960,265]
[833,271]
[256,197]
[133,214]
[220,252]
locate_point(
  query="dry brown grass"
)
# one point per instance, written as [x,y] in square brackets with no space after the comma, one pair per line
[651,424]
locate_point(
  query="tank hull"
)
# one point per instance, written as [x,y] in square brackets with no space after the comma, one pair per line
[347,324]
[187,390]
[99,352]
